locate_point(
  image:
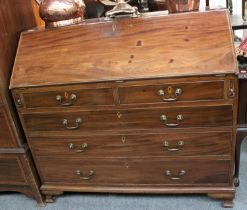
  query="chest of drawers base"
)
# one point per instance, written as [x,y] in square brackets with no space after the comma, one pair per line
[224,193]
[130,145]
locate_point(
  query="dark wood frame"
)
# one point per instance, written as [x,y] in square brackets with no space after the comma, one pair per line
[243,8]
[242,123]
[15,16]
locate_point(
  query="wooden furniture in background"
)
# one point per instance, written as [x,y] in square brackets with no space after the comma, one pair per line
[119,112]
[242,120]
[243,8]
[17,172]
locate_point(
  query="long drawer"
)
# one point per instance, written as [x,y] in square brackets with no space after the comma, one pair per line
[152,118]
[133,171]
[125,145]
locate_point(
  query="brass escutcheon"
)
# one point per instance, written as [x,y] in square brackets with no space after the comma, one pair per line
[123,139]
[119,115]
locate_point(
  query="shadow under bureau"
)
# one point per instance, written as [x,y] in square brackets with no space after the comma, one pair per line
[131,105]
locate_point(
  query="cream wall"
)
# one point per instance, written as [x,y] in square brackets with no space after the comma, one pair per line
[236,4]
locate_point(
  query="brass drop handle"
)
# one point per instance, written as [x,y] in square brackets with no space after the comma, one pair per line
[231,93]
[18,102]
[69,102]
[179,143]
[178,92]
[179,118]
[180,174]
[83,148]
[77,124]
[80,175]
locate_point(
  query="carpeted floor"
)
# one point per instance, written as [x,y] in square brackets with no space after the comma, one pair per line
[79,201]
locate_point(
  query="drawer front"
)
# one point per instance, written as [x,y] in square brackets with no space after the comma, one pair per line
[153,93]
[133,171]
[11,171]
[164,144]
[6,138]
[76,122]
[71,97]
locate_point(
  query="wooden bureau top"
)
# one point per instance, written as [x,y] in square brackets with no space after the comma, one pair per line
[187,44]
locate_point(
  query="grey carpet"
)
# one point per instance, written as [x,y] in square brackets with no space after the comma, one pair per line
[79,201]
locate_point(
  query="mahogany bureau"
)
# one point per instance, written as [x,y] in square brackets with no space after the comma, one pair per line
[131,105]
[17,172]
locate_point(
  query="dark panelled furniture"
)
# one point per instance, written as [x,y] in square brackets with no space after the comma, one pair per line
[131,105]
[242,119]
[17,172]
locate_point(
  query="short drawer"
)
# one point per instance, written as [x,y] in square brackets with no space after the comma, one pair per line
[125,145]
[173,92]
[68,96]
[7,140]
[133,171]
[11,171]
[153,118]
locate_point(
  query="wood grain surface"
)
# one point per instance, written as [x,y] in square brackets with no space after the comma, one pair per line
[84,97]
[149,93]
[7,138]
[127,119]
[128,48]
[17,172]
[141,171]
[142,145]
[15,16]
[12,171]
